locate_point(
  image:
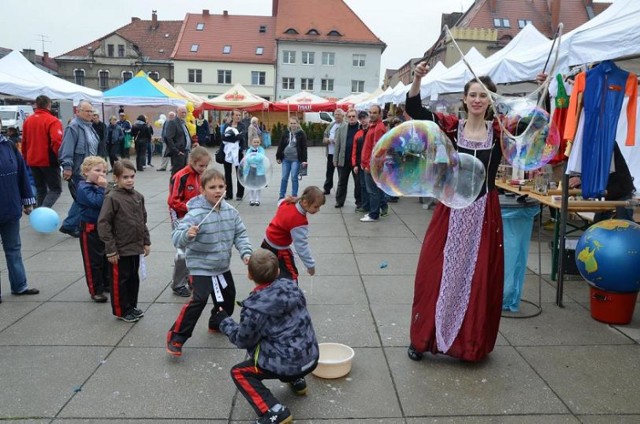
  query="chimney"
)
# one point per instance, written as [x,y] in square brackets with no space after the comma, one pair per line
[154,19]
[29,54]
[205,12]
[555,15]
[274,8]
[225,13]
[45,56]
[134,19]
[493,5]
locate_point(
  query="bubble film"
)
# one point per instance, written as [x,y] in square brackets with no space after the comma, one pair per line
[465,185]
[414,159]
[254,171]
[529,139]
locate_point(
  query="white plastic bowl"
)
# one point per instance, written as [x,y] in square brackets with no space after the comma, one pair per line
[335,360]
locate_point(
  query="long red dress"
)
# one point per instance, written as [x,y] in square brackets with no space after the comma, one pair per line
[460,277]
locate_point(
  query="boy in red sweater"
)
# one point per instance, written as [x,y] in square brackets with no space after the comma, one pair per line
[290,226]
[183,186]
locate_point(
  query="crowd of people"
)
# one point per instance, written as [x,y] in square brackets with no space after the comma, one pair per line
[458,283]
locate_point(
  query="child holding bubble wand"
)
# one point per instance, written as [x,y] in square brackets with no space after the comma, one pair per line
[459,280]
[208,233]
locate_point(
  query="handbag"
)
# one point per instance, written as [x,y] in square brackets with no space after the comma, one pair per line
[220,155]
[127,140]
[303,171]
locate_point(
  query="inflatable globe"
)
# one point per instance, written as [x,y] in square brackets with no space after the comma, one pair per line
[608,255]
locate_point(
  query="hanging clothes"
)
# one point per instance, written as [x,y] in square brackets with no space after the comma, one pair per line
[559,119]
[601,92]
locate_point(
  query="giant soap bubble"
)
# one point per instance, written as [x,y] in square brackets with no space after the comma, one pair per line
[416,158]
[254,171]
[465,185]
[529,139]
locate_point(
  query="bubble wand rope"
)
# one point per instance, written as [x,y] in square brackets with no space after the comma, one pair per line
[212,209]
[543,87]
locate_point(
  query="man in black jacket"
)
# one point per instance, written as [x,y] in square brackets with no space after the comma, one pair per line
[178,140]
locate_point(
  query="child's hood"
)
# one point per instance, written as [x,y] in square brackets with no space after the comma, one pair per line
[198,202]
[278,299]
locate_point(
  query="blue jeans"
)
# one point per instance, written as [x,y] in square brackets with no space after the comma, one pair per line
[364,194]
[289,167]
[72,221]
[10,234]
[377,197]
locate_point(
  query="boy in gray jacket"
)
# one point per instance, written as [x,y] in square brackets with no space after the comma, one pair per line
[207,234]
[275,328]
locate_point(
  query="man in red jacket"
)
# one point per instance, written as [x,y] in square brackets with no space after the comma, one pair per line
[41,140]
[377,198]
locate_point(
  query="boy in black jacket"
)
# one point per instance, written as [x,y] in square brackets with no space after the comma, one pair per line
[275,328]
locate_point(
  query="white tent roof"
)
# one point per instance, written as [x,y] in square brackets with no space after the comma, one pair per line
[21,78]
[439,83]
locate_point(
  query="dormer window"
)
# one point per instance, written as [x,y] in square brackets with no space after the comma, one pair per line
[291,31]
[226,49]
[200,26]
[194,48]
[334,33]
[313,31]
[263,28]
[259,51]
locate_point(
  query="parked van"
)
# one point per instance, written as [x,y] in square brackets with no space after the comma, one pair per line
[14,116]
[318,117]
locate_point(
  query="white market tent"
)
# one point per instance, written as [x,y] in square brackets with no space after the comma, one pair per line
[19,77]
[433,87]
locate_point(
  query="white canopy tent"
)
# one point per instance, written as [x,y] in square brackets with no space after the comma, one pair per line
[431,89]
[23,79]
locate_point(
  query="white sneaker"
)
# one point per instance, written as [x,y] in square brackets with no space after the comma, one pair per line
[367,218]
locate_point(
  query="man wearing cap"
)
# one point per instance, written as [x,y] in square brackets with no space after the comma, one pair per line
[41,140]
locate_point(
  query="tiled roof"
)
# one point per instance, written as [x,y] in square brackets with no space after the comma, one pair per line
[325,17]
[153,43]
[573,13]
[240,32]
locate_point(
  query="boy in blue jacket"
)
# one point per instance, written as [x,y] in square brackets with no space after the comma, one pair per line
[90,196]
[275,328]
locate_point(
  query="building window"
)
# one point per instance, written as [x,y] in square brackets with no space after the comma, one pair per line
[120,50]
[306,84]
[263,28]
[226,49]
[258,78]
[334,33]
[523,23]
[313,31]
[359,60]
[501,23]
[126,76]
[357,86]
[195,75]
[328,58]
[326,84]
[78,75]
[154,75]
[199,26]
[110,50]
[224,76]
[288,56]
[103,79]
[288,83]
[259,51]
[291,31]
[308,58]
[194,48]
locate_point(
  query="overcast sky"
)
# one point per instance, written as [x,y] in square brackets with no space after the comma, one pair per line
[408,27]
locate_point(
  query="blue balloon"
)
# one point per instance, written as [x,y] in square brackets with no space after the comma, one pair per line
[44,220]
[608,255]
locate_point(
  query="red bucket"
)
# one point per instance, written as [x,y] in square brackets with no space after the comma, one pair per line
[611,307]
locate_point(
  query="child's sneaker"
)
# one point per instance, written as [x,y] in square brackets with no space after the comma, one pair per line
[129,317]
[282,416]
[174,348]
[137,312]
[299,386]
[384,212]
